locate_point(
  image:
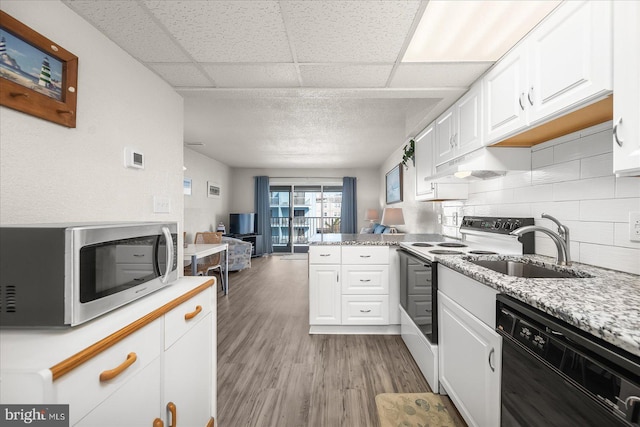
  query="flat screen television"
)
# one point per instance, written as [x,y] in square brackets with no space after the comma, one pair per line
[242,223]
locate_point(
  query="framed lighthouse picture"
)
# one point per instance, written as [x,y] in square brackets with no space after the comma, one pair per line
[37,76]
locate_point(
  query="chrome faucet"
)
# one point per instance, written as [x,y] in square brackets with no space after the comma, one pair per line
[561,240]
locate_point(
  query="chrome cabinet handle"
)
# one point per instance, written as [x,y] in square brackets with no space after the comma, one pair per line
[520,101]
[325,254]
[493,369]
[365,256]
[615,133]
[365,311]
[365,280]
[138,255]
[529,95]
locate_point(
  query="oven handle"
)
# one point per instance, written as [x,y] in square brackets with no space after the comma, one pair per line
[424,262]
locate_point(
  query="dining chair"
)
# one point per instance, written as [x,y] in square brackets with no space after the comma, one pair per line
[212,262]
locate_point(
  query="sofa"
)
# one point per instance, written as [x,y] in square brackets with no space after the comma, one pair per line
[239,253]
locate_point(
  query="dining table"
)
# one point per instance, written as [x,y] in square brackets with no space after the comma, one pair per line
[195,251]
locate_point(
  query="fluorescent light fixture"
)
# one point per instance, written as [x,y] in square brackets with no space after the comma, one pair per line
[476,30]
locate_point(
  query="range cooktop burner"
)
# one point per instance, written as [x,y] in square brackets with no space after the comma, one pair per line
[483,252]
[452,245]
[423,245]
[445,252]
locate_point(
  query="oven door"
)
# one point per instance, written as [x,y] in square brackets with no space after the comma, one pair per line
[418,293]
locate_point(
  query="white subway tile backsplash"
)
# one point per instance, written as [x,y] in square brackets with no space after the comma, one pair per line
[567,210]
[597,129]
[612,210]
[614,257]
[556,173]
[516,180]
[627,187]
[592,188]
[589,232]
[515,209]
[536,193]
[542,158]
[587,146]
[600,165]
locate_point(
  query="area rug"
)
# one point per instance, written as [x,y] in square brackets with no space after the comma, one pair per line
[295,257]
[412,410]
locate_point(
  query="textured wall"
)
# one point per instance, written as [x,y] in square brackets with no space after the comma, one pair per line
[49,173]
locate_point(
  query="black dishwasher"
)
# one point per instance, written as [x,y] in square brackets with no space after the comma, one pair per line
[555,375]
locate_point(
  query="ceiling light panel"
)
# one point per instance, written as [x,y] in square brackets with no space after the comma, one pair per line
[226,31]
[132,28]
[253,75]
[417,75]
[473,30]
[345,76]
[348,31]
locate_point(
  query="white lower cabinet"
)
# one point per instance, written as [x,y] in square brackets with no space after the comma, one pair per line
[129,407]
[470,351]
[360,291]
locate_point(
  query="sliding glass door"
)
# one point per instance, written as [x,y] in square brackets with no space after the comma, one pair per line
[300,212]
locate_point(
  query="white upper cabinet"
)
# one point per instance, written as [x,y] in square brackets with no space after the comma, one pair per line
[424,160]
[562,64]
[458,130]
[570,56]
[626,102]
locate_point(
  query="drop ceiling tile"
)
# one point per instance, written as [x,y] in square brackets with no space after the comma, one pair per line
[226,31]
[348,31]
[130,27]
[371,76]
[181,75]
[253,75]
[458,74]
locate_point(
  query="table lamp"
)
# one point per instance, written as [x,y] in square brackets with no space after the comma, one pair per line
[391,217]
[371,215]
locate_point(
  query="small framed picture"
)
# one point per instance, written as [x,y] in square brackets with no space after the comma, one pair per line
[393,181]
[186,185]
[213,189]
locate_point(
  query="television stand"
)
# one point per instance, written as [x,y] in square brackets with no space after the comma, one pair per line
[254,239]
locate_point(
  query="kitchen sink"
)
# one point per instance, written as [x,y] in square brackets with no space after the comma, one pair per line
[525,269]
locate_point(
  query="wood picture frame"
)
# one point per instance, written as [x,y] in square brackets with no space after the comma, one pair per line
[52,95]
[393,185]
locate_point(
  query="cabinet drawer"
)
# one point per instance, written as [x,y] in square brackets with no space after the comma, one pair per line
[365,279]
[175,324]
[324,255]
[82,388]
[365,255]
[365,309]
[134,254]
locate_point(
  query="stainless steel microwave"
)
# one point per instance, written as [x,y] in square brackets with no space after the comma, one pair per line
[55,275]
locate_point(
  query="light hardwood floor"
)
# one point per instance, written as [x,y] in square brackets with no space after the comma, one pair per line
[271,372]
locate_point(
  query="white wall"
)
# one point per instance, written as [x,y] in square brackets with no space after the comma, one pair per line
[50,173]
[201,212]
[571,179]
[367,186]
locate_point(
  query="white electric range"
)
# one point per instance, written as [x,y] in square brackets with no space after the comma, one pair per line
[418,279]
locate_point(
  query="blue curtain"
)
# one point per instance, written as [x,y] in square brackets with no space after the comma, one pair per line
[349,213]
[263,211]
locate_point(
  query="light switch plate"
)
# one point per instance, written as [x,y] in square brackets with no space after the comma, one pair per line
[634,226]
[161,204]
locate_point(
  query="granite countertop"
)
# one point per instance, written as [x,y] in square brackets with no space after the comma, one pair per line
[388,239]
[606,305]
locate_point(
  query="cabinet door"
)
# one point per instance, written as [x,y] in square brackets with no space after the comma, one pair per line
[445,134]
[188,375]
[504,108]
[626,102]
[569,58]
[424,161]
[468,135]
[324,295]
[470,356]
[136,403]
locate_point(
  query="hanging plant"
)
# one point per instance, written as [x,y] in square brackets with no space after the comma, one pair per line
[409,153]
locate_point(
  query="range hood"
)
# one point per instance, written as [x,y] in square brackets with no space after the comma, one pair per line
[487,163]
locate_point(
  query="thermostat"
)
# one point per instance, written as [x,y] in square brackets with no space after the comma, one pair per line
[133,158]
